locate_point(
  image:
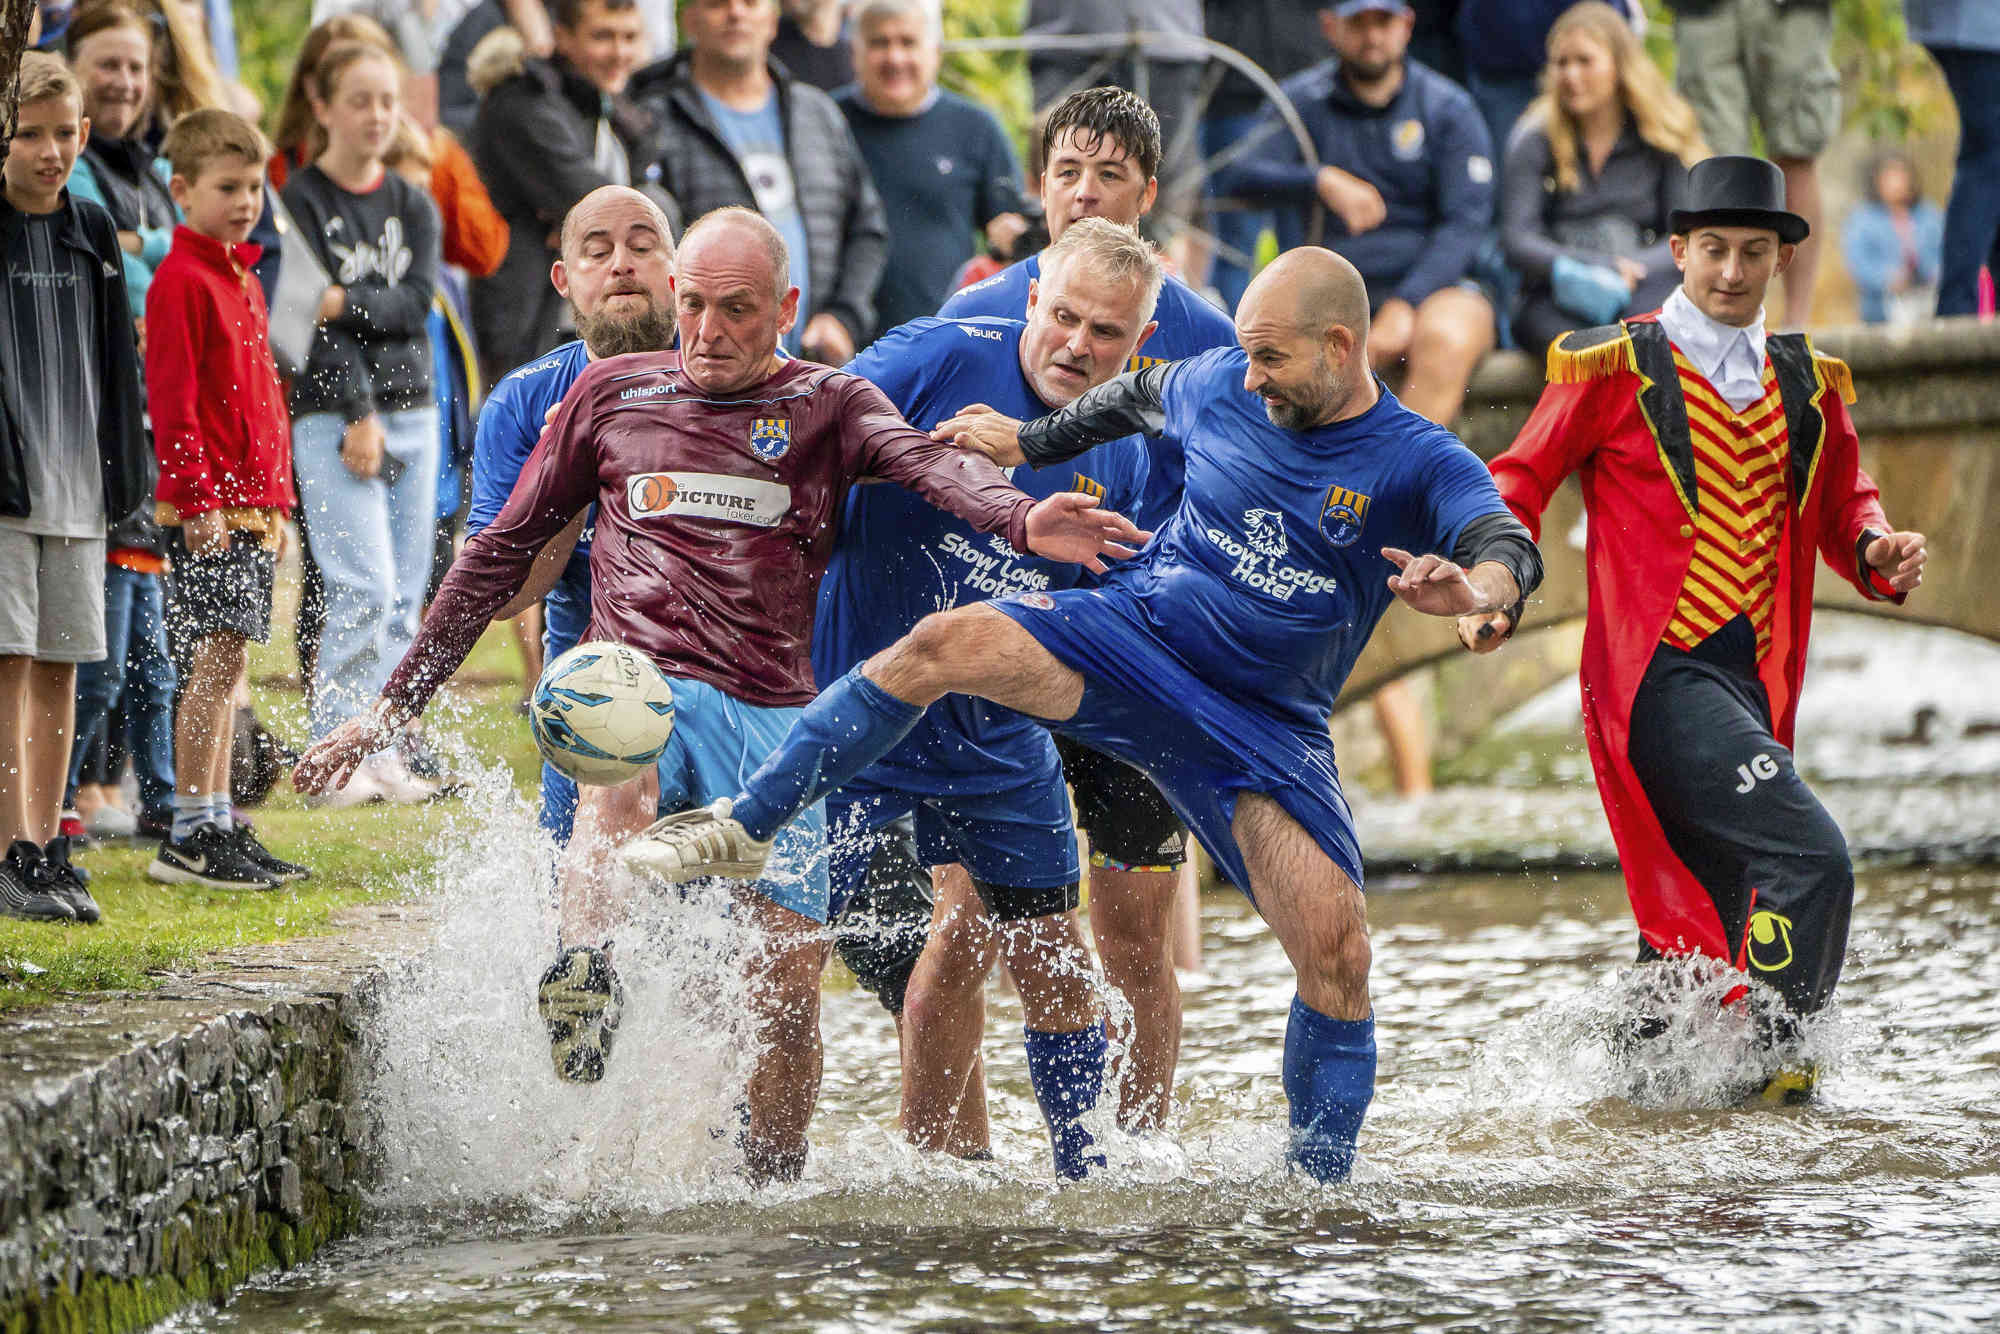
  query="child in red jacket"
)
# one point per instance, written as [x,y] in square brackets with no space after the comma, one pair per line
[224,441]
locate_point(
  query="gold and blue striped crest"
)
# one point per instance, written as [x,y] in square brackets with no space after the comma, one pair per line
[1340,519]
[770,437]
[1090,486]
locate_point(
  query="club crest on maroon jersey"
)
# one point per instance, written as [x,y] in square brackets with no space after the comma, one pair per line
[770,437]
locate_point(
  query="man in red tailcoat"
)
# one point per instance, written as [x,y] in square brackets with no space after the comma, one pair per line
[1715,461]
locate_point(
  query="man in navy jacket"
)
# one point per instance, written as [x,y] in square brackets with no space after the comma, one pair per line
[1408,186]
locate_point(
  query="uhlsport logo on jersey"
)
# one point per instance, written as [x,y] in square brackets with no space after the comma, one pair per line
[1340,519]
[770,437]
[1260,555]
[706,495]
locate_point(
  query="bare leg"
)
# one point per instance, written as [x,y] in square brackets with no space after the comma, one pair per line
[1315,910]
[944,1014]
[51,723]
[1454,329]
[784,994]
[1187,920]
[605,817]
[1406,735]
[203,722]
[977,651]
[1051,967]
[14,760]
[1802,194]
[1131,918]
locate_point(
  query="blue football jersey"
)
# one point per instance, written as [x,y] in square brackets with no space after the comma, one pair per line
[1189,326]
[900,559]
[510,421]
[1270,577]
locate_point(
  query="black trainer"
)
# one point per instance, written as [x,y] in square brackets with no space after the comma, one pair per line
[581,1000]
[209,856]
[28,889]
[72,881]
[251,847]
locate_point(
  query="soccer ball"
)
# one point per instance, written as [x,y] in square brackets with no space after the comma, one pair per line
[602,712]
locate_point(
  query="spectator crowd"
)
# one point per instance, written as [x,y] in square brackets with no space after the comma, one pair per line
[290,338]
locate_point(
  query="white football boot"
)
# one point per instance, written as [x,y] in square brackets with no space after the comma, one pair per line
[693,843]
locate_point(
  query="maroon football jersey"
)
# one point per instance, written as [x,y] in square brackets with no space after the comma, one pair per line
[715,519]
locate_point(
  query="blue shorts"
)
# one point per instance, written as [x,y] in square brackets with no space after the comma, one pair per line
[718,743]
[1132,681]
[1018,845]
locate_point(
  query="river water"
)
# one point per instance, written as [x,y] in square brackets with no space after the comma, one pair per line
[1511,1176]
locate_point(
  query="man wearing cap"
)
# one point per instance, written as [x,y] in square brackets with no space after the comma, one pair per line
[1715,461]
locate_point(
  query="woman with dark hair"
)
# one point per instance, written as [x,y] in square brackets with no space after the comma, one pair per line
[1594,167]
[1893,242]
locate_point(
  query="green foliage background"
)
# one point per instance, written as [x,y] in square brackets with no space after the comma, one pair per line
[1888,86]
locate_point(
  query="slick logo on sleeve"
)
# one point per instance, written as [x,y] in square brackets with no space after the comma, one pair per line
[770,437]
[706,495]
[1342,516]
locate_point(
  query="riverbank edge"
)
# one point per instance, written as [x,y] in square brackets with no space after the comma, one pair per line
[159,1149]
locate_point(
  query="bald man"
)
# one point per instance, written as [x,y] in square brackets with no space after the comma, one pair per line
[616,272]
[1307,488]
[717,475]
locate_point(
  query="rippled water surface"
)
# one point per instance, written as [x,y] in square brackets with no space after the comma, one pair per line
[1507,1181]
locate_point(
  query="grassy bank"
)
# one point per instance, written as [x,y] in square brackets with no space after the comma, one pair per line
[152,931]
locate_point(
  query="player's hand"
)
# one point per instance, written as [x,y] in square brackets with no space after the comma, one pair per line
[984,431]
[1069,526]
[1899,558]
[331,761]
[826,340]
[1484,631]
[361,447]
[1432,584]
[206,534]
[1631,270]
[1354,201]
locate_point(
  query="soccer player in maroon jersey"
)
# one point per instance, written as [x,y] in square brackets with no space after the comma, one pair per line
[718,474]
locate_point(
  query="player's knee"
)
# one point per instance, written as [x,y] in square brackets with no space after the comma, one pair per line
[922,664]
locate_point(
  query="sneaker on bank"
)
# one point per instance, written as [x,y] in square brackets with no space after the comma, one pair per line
[210,857]
[253,848]
[71,882]
[581,1001]
[360,789]
[28,889]
[109,821]
[154,825]
[693,843]
[70,826]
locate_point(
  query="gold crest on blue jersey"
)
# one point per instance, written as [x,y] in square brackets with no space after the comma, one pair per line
[1340,519]
[770,437]
[1090,486]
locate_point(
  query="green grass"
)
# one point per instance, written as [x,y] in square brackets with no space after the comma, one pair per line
[362,855]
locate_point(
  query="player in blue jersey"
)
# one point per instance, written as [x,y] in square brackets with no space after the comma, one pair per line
[1211,660]
[1101,149]
[983,782]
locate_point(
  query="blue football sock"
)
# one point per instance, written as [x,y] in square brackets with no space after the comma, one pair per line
[852,724]
[1067,1071]
[1329,1079]
[190,813]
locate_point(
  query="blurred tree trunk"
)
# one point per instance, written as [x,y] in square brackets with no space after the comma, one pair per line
[14,16]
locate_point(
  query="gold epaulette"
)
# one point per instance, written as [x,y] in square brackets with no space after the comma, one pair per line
[1833,372]
[1591,354]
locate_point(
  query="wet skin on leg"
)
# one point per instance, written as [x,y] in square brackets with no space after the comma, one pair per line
[784,975]
[1131,918]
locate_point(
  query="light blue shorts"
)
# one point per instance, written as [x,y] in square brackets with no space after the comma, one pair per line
[718,743]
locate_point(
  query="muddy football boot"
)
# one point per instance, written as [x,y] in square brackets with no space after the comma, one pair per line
[693,843]
[581,1000]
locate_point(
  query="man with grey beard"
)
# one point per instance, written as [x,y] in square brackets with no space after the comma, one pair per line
[617,258]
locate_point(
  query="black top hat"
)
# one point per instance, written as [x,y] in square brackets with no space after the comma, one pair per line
[1738,192]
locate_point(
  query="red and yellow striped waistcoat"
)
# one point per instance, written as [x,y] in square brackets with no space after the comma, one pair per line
[1740,476]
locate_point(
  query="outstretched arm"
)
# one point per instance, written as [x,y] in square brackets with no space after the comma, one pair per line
[1133,403]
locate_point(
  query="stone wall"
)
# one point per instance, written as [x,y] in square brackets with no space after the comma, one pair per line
[156,1150]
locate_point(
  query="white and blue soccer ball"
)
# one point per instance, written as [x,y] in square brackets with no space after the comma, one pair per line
[602,713]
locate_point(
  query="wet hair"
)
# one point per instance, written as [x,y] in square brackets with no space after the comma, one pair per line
[1111,250]
[296,126]
[44,77]
[1093,115]
[569,13]
[773,244]
[206,136]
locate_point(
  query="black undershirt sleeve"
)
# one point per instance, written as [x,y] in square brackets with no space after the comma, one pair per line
[1132,403]
[1502,538]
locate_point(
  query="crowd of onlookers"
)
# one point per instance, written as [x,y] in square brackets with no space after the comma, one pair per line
[1498,170]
